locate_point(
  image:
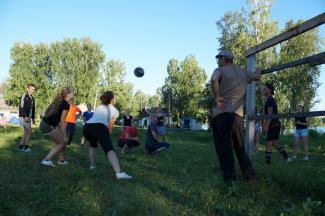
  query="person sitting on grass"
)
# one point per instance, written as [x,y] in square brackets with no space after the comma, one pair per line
[153,142]
[128,139]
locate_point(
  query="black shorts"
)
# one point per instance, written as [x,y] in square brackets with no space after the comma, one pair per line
[273,133]
[98,133]
[128,142]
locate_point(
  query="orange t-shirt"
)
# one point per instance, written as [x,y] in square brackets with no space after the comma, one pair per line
[71,116]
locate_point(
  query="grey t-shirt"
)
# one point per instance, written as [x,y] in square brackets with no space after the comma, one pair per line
[232,86]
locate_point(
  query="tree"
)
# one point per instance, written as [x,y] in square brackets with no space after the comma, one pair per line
[184,86]
[114,76]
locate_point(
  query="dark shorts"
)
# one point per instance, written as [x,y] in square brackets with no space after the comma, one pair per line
[273,133]
[98,133]
[45,128]
[128,142]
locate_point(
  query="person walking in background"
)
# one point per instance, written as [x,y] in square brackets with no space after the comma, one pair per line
[71,120]
[27,116]
[85,117]
[98,129]
[228,84]
[272,127]
[301,134]
[53,125]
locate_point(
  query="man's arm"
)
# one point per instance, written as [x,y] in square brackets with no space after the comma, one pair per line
[267,121]
[219,101]
[155,135]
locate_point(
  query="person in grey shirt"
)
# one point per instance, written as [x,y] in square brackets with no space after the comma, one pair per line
[228,84]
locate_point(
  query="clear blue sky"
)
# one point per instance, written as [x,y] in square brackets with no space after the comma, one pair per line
[140,33]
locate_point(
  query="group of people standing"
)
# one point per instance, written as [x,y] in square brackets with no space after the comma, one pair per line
[59,122]
[228,84]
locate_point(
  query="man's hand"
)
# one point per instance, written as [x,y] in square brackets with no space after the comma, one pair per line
[221,102]
[258,73]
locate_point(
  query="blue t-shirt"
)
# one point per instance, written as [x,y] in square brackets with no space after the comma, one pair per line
[87,115]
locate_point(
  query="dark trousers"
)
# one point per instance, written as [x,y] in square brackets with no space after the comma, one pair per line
[228,136]
[71,128]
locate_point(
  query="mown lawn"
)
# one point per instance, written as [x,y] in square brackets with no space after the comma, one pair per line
[183,180]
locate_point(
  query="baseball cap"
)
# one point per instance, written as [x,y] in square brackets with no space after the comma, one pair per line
[225,53]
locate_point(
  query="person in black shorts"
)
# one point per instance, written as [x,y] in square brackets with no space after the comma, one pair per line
[272,127]
[98,129]
[54,126]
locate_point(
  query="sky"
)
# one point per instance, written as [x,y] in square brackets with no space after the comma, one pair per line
[139,33]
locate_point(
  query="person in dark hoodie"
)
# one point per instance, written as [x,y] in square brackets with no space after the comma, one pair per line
[26,116]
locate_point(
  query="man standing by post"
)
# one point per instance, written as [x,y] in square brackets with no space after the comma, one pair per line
[26,115]
[228,84]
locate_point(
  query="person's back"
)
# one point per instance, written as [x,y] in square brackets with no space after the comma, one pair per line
[232,88]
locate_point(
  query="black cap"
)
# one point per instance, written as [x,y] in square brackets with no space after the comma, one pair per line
[270,86]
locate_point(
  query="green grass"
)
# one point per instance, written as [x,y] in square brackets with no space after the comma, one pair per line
[183,180]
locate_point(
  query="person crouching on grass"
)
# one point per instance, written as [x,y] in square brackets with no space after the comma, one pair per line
[129,139]
[99,129]
[272,127]
[54,126]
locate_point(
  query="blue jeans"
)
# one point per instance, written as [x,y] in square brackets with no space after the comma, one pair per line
[151,147]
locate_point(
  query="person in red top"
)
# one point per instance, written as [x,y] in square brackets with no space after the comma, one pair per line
[71,120]
[128,139]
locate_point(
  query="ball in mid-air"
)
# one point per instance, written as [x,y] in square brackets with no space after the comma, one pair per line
[138,72]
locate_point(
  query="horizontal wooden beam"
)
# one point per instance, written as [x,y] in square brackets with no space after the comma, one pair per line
[312,60]
[299,29]
[287,115]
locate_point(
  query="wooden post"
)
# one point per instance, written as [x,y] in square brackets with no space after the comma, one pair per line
[250,107]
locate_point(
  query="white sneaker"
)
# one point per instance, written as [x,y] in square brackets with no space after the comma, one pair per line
[47,163]
[63,163]
[161,149]
[289,159]
[27,150]
[306,158]
[92,167]
[123,175]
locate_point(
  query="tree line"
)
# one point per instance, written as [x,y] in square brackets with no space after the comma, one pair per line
[81,63]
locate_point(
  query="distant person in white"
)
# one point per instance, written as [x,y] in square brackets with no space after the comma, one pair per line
[98,129]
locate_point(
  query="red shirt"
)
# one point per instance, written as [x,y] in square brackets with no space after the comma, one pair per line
[132,131]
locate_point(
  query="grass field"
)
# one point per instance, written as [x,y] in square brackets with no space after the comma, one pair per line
[183,180]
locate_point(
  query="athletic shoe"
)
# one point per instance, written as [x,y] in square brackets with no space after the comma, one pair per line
[63,163]
[27,150]
[289,159]
[20,148]
[160,149]
[306,158]
[92,167]
[47,163]
[123,175]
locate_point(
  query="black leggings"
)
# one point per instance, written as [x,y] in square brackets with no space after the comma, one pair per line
[97,132]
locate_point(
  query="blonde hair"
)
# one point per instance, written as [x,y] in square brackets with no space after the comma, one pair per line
[54,106]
